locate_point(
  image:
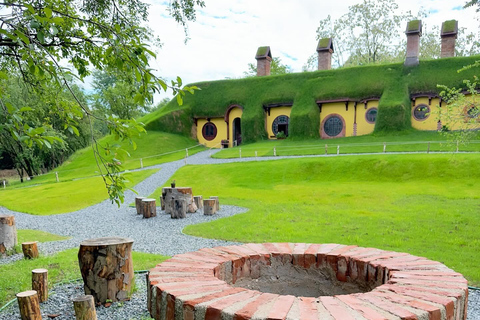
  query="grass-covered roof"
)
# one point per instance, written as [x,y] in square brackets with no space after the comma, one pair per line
[393,83]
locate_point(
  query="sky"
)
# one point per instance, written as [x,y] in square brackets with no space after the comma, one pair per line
[226,34]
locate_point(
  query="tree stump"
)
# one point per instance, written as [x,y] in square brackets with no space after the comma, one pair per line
[217,203]
[28,305]
[40,283]
[84,308]
[179,209]
[162,198]
[209,207]
[149,208]
[30,250]
[106,267]
[138,204]
[8,233]
[184,193]
[198,201]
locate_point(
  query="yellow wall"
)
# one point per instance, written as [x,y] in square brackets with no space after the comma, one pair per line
[221,132]
[461,121]
[275,112]
[339,108]
[234,113]
[430,123]
[363,126]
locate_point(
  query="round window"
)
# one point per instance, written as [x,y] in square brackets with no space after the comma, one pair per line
[371,115]
[473,112]
[421,112]
[333,126]
[209,131]
[280,124]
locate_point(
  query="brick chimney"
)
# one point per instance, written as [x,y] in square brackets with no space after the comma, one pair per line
[449,35]
[413,32]
[325,50]
[264,60]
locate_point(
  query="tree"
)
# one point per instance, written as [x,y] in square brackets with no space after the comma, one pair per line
[51,43]
[276,67]
[364,35]
[114,95]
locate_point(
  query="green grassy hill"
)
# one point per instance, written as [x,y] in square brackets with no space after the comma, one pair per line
[392,83]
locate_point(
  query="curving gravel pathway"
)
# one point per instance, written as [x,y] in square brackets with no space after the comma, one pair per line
[161,235]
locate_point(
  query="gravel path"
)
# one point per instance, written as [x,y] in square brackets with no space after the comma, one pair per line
[161,235]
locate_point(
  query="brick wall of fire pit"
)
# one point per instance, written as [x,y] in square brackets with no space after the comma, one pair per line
[304,281]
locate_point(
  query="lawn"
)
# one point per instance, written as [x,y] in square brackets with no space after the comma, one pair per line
[410,141]
[62,197]
[17,277]
[426,205]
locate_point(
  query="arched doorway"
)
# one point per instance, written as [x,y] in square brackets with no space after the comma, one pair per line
[237,132]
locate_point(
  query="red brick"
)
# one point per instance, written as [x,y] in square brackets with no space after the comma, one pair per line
[433,311]
[281,307]
[433,284]
[337,309]
[189,305]
[391,307]
[308,308]
[259,248]
[299,254]
[446,302]
[361,307]
[311,255]
[333,256]
[249,310]
[280,251]
[324,250]
[429,277]
[214,310]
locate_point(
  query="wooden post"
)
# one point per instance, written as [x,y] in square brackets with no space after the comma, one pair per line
[56,176]
[274,151]
[384,147]
[217,203]
[338,150]
[149,208]
[179,209]
[240,153]
[428,147]
[186,152]
[209,207]
[138,204]
[30,250]
[141,163]
[8,233]
[107,269]
[40,283]
[84,308]
[457,147]
[28,305]
[162,198]
[326,149]
[198,201]
[256,156]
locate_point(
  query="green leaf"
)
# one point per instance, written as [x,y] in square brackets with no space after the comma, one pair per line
[48,12]
[57,20]
[41,36]
[30,8]
[47,144]
[24,109]
[3,75]
[179,100]
[22,36]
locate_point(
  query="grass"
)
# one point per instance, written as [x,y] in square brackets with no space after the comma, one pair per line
[426,205]
[62,197]
[410,141]
[153,148]
[16,277]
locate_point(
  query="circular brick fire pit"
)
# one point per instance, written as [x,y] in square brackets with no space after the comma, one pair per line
[304,281]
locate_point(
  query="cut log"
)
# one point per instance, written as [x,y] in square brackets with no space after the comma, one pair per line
[30,250]
[84,308]
[217,203]
[167,197]
[40,283]
[138,204]
[198,201]
[107,269]
[28,305]
[8,233]
[179,209]
[209,207]
[184,193]
[149,208]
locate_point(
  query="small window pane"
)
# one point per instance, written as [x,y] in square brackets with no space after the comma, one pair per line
[371,115]
[333,126]
[421,112]
[209,131]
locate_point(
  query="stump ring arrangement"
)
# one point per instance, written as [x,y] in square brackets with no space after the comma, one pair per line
[304,281]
